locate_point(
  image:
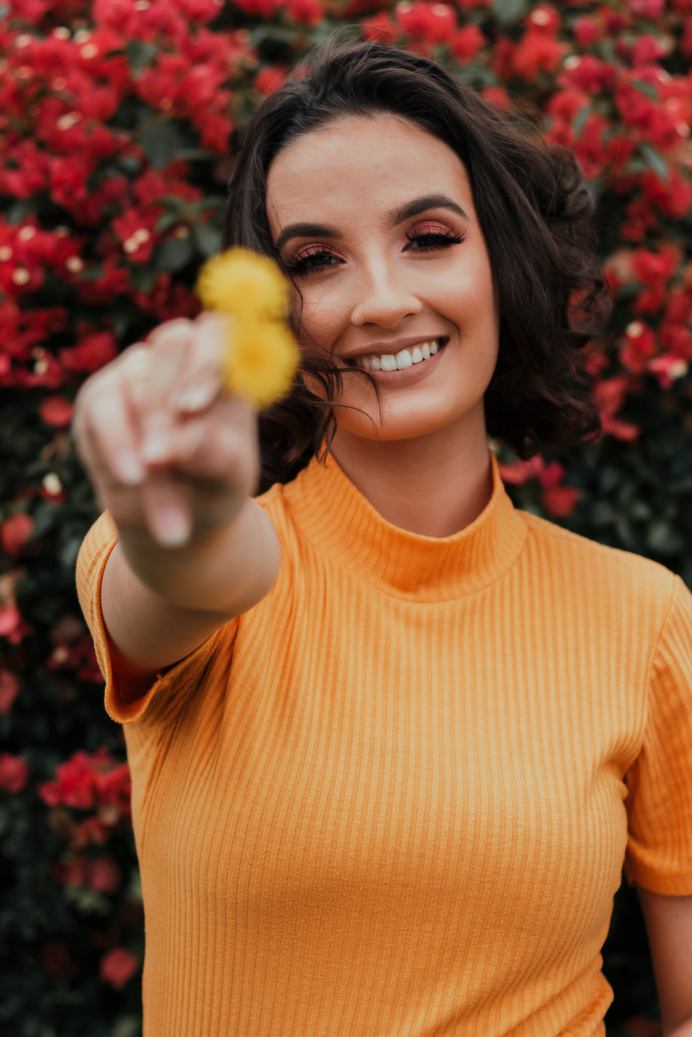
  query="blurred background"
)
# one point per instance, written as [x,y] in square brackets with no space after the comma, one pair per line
[119,121]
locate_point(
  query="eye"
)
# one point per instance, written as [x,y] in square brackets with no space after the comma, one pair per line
[430,236]
[311,259]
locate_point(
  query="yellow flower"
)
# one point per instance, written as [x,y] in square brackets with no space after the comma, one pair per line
[261,359]
[244,283]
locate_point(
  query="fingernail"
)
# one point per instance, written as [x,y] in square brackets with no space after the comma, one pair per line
[172,528]
[131,471]
[155,448]
[195,397]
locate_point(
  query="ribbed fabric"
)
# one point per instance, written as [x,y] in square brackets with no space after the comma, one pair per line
[391,800]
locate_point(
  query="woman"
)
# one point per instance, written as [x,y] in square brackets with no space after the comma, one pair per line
[391,739]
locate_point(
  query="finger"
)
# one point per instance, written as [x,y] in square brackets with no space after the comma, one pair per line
[222,445]
[169,371]
[107,437]
[166,511]
[136,371]
[205,383]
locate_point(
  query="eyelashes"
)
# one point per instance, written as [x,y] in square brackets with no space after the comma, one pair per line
[422,237]
[309,259]
[431,235]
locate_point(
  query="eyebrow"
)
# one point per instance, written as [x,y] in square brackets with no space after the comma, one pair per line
[394,216]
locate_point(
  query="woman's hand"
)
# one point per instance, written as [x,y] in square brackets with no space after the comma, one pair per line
[168,453]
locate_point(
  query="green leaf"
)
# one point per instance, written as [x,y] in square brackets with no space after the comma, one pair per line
[139,54]
[167,220]
[581,118]
[174,254]
[18,212]
[161,141]
[508,11]
[663,538]
[143,278]
[208,238]
[646,88]
[654,160]
[602,514]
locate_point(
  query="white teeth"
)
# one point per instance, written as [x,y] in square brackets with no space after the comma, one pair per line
[401,360]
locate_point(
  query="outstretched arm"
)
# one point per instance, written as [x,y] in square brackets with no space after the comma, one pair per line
[669,927]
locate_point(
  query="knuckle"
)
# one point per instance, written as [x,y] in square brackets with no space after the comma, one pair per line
[171,330]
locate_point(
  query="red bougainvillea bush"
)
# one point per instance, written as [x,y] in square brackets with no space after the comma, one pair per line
[119,120]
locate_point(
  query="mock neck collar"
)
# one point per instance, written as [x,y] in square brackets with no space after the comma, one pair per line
[335,516]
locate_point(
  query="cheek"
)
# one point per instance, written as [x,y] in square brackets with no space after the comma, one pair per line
[320,320]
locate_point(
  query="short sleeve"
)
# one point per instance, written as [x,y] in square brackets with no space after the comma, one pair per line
[659,797]
[172,686]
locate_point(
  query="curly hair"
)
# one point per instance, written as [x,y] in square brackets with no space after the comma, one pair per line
[535,214]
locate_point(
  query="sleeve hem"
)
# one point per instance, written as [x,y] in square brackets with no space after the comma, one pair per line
[127,712]
[679,885]
[91,566]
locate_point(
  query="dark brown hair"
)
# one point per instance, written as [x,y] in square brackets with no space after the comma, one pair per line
[534,212]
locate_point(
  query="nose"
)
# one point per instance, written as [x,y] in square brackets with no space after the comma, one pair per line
[383,300]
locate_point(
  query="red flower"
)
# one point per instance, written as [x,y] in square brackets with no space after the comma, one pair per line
[587,73]
[136,229]
[673,197]
[85,782]
[537,52]
[587,31]
[651,10]
[431,22]
[269,78]
[10,687]
[638,347]
[466,43]
[560,501]
[13,625]
[519,471]
[609,394]
[15,531]
[497,95]
[667,369]
[379,27]
[26,168]
[104,875]
[90,354]
[305,12]
[14,773]
[56,411]
[502,61]
[545,18]
[73,785]
[640,221]
[117,967]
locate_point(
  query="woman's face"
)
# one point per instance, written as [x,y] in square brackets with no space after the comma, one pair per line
[374,219]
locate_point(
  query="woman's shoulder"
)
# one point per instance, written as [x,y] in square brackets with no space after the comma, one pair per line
[608,569]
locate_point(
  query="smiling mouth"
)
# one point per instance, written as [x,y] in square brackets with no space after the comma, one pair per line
[398,361]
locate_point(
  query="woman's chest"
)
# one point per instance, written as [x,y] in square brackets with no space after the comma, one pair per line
[424,761]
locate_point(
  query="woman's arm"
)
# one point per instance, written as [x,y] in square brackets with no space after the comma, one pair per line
[175,462]
[669,928]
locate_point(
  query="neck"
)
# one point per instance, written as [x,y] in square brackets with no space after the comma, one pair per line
[434,485]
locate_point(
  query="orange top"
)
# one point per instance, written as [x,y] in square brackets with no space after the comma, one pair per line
[393,799]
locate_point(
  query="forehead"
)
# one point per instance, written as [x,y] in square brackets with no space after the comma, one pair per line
[359,167]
